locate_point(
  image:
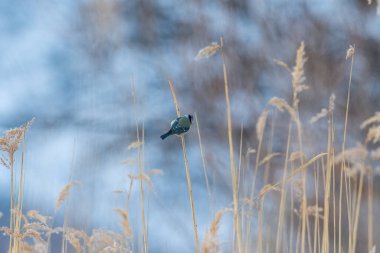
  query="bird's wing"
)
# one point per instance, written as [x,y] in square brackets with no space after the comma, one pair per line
[184,122]
[173,122]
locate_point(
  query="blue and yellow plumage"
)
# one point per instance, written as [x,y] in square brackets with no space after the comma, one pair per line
[179,126]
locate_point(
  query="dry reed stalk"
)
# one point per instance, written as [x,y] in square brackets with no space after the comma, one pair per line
[327,187]
[291,226]
[357,213]
[232,159]
[281,214]
[187,172]
[202,156]
[18,217]
[370,210]
[351,54]
[316,221]
[259,248]
[141,169]
[270,146]
[34,214]
[260,129]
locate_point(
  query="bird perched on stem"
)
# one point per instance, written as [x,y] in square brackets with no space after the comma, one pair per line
[179,126]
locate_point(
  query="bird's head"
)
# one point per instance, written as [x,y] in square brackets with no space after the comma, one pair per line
[190,118]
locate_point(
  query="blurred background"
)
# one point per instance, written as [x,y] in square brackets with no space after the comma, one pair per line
[71,65]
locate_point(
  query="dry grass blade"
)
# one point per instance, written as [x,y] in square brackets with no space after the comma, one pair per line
[208,51]
[211,243]
[64,193]
[268,158]
[125,222]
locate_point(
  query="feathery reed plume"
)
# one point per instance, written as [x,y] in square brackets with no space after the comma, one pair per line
[260,126]
[74,237]
[332,103]
[296,155]
[125,222]
[373,135]
[64,193]
[208,51]
[323,113]
[282,105]
[371,120]
[298,76]
[211,243]
[107,241]
[145,176]
[267,188]
[350,52]
[135,144]
[354,155]
[129,162]
[282,64]
[34,214]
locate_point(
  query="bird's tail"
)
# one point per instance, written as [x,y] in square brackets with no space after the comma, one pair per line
[164,136]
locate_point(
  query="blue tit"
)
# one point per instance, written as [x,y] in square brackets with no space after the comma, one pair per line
[179,126]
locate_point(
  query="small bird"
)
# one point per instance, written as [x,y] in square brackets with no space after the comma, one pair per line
[179,126]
